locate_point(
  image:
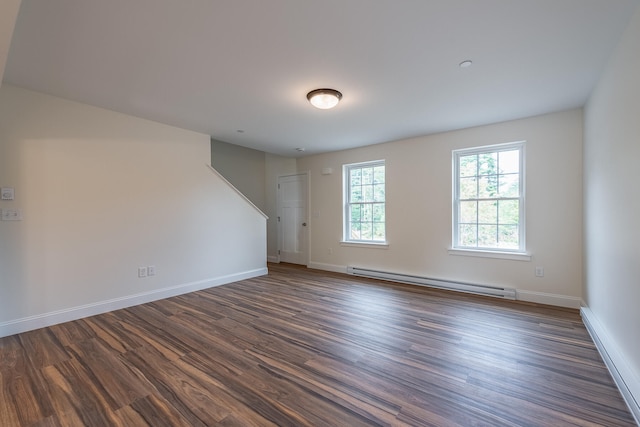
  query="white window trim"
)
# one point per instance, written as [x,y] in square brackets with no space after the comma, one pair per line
[377,244]
[516,254]
[345,201]
[485,253]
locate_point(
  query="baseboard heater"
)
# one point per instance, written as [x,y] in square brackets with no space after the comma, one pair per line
[494,291]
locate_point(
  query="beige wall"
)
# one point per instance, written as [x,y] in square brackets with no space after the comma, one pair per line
[419,208]
[103,193]
[612,206]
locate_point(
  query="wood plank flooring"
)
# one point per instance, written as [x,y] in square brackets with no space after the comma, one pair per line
[306,348]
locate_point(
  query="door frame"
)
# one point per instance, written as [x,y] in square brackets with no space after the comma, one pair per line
[306,203]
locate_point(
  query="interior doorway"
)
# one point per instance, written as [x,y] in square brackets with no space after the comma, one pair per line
[292,218]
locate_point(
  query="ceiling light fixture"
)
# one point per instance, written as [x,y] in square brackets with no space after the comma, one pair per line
[324,98]
[466,63]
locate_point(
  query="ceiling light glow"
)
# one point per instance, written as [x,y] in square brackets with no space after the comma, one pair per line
[324,99]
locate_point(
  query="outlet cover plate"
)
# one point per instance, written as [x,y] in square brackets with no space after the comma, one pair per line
[11,215]
[8,193]
[142,271]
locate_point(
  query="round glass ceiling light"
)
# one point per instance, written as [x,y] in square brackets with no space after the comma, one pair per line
[324,98]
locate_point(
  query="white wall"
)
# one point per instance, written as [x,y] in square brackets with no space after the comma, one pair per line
[612,206]
[103,193]
[243,167]
[255,173]
[419,208]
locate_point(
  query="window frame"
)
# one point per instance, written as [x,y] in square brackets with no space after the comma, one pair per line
[494,252]
[347,203]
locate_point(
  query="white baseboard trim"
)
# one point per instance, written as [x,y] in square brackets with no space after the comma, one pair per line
[273,258]
[30,323]
[627,381]
[549,299]
[328,267]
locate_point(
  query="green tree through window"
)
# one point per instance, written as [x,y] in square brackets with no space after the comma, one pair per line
[489,198]
[365,202]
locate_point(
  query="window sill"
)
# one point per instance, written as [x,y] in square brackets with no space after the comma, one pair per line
[515,256]
[375,245]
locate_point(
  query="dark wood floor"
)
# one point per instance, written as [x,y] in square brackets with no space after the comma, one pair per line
[307,348]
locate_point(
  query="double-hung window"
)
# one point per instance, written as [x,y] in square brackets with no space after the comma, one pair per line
[488,198]
[364,207]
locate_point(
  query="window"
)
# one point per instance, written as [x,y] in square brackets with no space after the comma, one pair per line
[364,194]
[488,194]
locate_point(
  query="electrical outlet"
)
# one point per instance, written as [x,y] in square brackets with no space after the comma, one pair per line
[151,270]
[142,271]
[539,271]
[330,251]
[11,214]
[8,193]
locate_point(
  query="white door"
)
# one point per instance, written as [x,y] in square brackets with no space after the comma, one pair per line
[292,218]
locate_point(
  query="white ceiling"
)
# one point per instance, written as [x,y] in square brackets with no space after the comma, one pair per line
[220,66]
